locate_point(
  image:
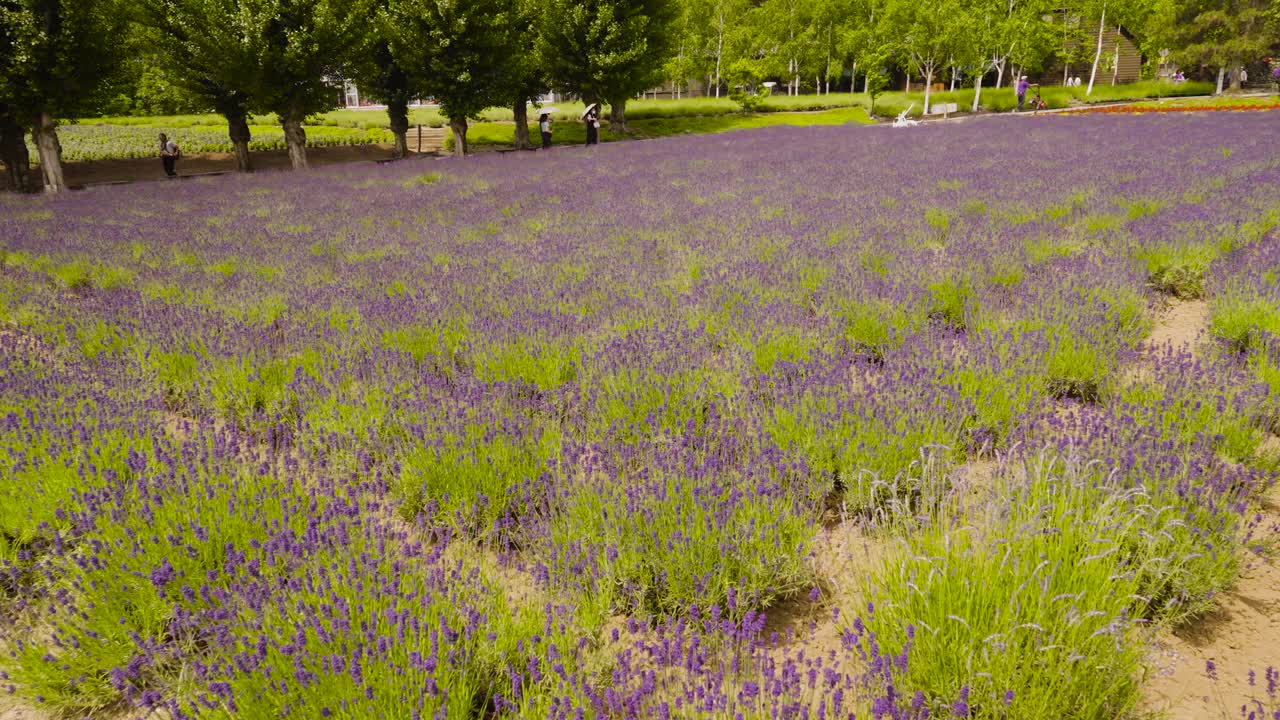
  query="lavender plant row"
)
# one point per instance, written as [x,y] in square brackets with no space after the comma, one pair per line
[552,435]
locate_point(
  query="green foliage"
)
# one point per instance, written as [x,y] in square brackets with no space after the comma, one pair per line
[456,51]
[475,481]
[706,542]
[573,133]
[1040,602]
[102,141]
[1178,269]
[55,55]
[605,49]
[1246,323]
[746,88]
[1218,33]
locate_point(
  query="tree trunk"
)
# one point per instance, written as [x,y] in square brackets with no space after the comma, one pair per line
[398,115]
[1222,73]
[295,137]
[1115,71]
[13,152]
[1000,73]
[719,53]
[830,32]
[459,128]
[618,116]
[928,88]
[521,112]
[977,90]
[238,131]
[1237,84]
[1097,56]
[680,76]
[45,133]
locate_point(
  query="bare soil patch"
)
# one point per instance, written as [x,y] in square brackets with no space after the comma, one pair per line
[1241,635]
[1181,325]
[1201,669]
[10,711]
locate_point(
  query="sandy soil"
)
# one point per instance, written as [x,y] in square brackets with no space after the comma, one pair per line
[93,172]
[1242,635]
[1181,325]
[11,712]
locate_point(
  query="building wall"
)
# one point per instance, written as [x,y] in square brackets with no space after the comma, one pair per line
[1130,65]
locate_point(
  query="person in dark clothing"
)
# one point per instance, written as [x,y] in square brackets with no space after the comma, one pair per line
[544,125]
[592,119]
[169,155]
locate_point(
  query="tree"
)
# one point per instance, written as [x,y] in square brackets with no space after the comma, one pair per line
[928,36]
[1019,32]
[1221,33]
[680,67]
[717,25]
[785,24]
[877,78]
[214,49]
[1097,55]
[459,51]
[981,48]
[305,46]
[606,50]
[13,150]
[745,87]
[54,55]
[524,77]
[381,75]
[861,37]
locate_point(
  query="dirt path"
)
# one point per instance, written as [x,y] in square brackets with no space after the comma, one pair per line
[1243,633]
[99,172]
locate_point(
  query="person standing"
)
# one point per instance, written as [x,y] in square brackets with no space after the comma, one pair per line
[1022,91]
[544,125]
[169,154]
[592,119]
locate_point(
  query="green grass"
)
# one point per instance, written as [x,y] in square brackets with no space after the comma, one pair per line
[371,118]
[93,140]
[1217,101]
[90,139]
[1004,99]
[1036,612]
[574,133]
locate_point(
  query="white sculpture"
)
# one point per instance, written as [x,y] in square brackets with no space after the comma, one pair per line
[903,120]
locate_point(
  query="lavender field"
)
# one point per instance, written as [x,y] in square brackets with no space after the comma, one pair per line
[789,423]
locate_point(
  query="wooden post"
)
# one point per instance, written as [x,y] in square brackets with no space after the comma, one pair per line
[419,139]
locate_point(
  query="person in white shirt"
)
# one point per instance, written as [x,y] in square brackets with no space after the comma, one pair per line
[169,154]
[544,125]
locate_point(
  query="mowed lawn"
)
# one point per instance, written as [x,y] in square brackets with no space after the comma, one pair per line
[785,422]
